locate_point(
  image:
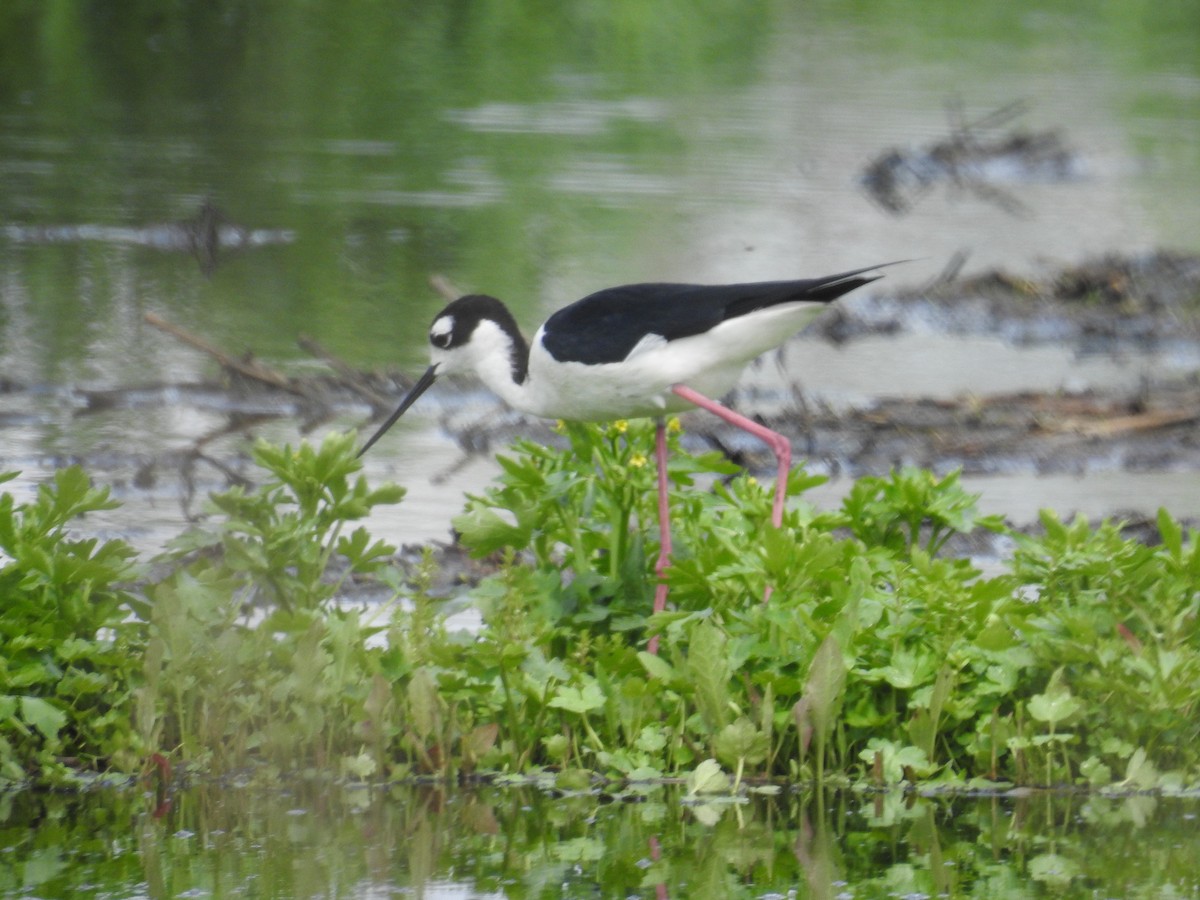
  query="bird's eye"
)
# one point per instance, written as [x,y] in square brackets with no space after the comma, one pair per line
[442,332]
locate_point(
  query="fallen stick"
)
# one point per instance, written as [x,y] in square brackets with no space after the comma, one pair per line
[1140,422]
[250,369]
[444,286]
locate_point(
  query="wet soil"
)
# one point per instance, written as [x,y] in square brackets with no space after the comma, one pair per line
[1109,304]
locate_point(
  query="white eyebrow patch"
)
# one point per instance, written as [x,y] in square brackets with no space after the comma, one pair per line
[442,327]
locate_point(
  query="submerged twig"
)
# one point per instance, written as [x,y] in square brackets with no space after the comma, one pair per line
[248,368]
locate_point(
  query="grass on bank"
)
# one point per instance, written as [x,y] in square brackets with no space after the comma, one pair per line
[876,661]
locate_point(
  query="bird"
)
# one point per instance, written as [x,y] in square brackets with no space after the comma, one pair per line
[633,351]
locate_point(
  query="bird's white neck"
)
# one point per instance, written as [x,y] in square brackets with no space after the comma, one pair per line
[500,358]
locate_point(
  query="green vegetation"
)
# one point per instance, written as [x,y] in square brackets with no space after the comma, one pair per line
[876,661]
[68,655]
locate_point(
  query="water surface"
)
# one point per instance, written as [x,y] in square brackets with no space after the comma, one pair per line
[317,839]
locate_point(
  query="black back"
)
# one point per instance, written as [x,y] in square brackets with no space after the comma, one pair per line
[605,326]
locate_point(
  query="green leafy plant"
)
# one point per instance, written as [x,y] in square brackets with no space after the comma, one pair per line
[69,657]
[247,656]
[279,538]
[1122,620]
[913,508]
[877,658]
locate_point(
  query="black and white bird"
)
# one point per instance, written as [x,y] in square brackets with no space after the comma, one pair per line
[640,350]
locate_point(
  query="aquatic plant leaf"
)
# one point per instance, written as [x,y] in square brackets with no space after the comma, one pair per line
[480,740]
[44,716]
[363,554]
[824,686]
[651,739]
[1170,533]
[379,698]
[908,668]
[579,700]
[656,667]
[362,766]
[484,531]
[923,728]
[1055,704]
[801,713]
[557,747]
[423,702]
[1096,772]
[707,778]
[900,762]
[1141,771]
[740,741]
[708,668]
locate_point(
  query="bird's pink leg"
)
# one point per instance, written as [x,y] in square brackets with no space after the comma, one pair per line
[660,889]
[776,441]
[664,525]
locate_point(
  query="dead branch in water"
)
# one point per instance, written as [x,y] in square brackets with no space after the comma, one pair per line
[249,368]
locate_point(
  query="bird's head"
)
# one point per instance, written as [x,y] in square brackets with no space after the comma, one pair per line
[475,334]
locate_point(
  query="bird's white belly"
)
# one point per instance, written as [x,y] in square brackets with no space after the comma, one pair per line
[634,388]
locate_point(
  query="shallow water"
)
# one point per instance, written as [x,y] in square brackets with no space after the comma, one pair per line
[316,839]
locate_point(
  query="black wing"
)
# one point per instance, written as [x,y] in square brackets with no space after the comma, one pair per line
[604,327]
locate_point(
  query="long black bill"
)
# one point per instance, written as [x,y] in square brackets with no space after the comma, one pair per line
[418,389]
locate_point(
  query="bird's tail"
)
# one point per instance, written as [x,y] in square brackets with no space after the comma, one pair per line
[829,288]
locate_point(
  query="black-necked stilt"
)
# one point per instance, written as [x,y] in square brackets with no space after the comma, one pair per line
[631,351]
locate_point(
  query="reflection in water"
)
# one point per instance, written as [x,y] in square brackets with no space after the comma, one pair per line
[559,118]
[208,236]
[972,159]
[317,839]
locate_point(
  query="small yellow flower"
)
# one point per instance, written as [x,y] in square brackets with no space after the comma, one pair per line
[673,425]
[638,460]
[752,481]
[620,426]
[560,425]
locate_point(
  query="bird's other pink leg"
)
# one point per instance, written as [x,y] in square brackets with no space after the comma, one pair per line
[664,524]
[776,441]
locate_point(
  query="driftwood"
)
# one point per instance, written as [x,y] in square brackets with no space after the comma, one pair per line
[444,286]
[249,368]
[1148,421]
